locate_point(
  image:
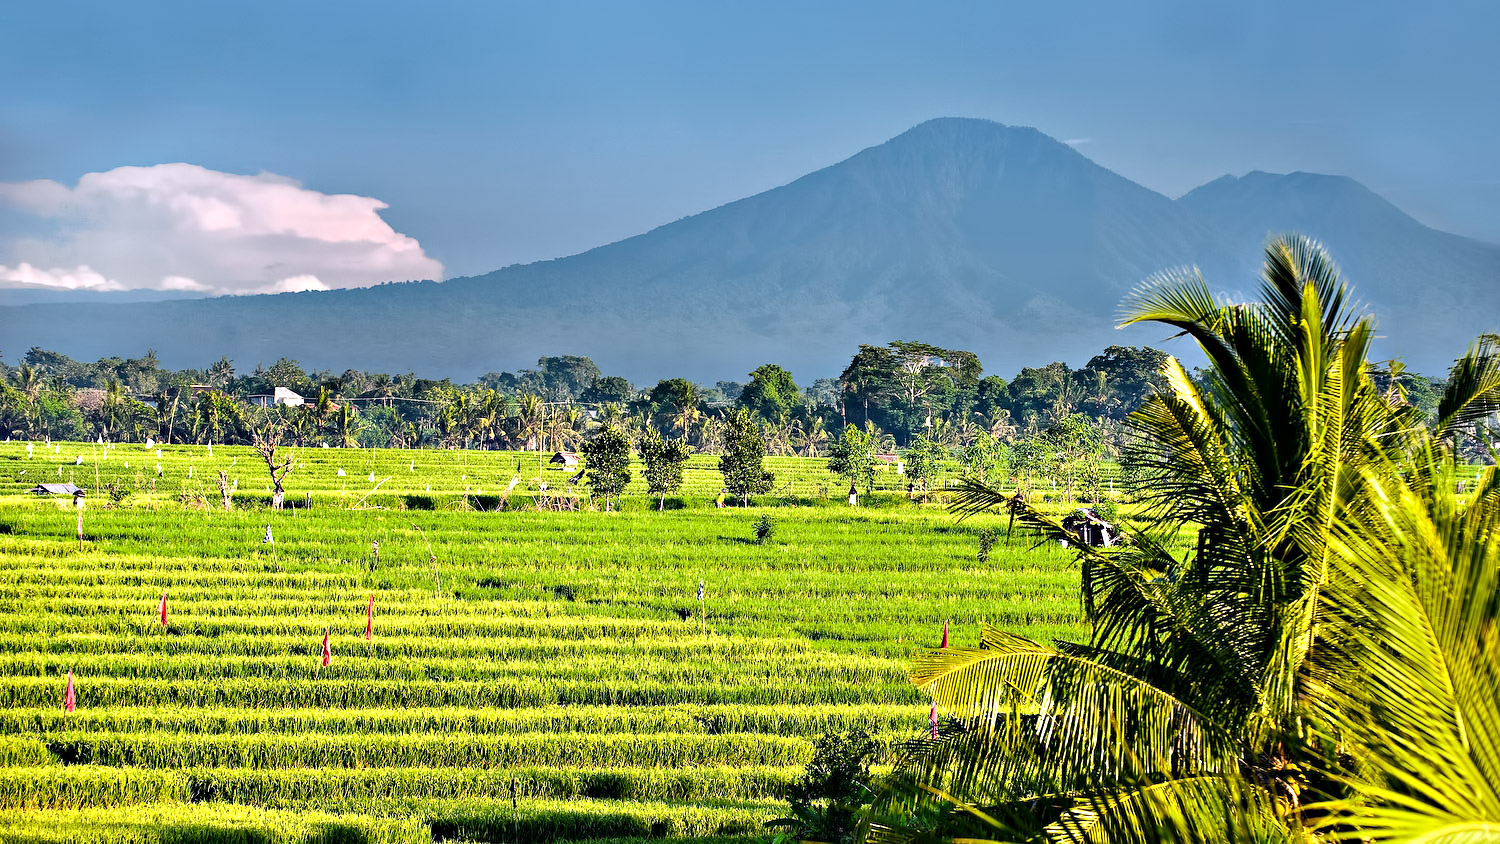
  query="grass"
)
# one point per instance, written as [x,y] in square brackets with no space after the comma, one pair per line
[533,675]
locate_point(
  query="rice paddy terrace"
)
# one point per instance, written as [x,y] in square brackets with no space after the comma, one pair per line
[528,675]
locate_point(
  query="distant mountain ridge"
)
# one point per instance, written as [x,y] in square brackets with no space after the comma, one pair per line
[963,232]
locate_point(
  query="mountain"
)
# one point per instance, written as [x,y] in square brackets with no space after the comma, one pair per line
[1426,287]
[960,232]
[27,294]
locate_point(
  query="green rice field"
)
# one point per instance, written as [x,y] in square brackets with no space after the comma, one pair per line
[531,675]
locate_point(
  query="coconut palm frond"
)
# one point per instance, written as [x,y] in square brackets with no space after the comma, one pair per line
[1090,716]
[1195,809]
[1472,392]
[1414,683]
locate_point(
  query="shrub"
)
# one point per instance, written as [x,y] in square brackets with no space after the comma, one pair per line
[987,537]
[765,528]
[827,799]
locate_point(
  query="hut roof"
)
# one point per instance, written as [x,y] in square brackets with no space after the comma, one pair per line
[56,489]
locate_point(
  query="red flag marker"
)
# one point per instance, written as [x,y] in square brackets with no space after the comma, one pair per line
[162,610]
[327,651]
[70,699]
[370,619]
[932,718]
[945,633]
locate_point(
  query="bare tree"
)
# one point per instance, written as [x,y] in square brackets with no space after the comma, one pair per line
[225,491]
[266,438]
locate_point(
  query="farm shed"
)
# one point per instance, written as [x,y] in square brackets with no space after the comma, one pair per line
[1086,524]
[566,459]
[279,396]
[55,489]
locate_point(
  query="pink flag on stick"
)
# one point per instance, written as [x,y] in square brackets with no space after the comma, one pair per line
[945,632]
[370,619]
[932,719]
[70,699]
[162,610]
[327,651]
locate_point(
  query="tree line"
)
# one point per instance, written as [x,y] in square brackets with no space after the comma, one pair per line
[934,405]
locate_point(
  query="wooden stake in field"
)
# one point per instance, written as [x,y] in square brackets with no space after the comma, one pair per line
[161,611]
[370,619]
[271,541]
[945,635]
[702,609]
[78,504]
[70,698]
[327,655]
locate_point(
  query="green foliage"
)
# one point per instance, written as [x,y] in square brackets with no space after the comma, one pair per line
[1312,669]
[770,394]
[596,706]
[742,463]
[1077,445]
[987,537]
[608,389]
[827,800]
[169,823]
[607,463]
[923,460]
[904,382]
[986,459]
[664,460]
[765,528]
[852,456]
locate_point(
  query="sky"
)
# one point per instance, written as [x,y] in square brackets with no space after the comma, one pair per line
[254,147]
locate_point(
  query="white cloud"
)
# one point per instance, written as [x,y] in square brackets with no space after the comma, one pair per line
[1078,142]
[185,227]
[79,278]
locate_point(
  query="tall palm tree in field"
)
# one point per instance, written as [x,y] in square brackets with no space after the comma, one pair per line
[711,435]
[529,423]
[347,425]
[812,437]
[1286,677]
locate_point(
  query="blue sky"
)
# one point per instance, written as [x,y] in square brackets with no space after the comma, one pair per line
[500,133]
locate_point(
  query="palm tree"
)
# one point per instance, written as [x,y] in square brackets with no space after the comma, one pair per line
[566,426]
[347,426]
[529,428]
[711,435]
[780,435]
[684,417]
[1000,424]
[1207,703]
[812,437]
[220,373]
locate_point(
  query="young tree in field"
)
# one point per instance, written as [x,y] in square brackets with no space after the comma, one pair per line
[265,438]
[742,462]
[1078,445]
[851,456]
[606,462]
[986,459]
[922,462]
[664,459]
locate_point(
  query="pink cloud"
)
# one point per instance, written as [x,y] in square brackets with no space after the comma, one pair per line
[185,227]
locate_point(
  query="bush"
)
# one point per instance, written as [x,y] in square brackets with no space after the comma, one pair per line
[987,537]
[765,528]
[826,801]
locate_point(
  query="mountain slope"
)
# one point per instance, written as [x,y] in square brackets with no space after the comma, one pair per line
[1426,286]
[961,232]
